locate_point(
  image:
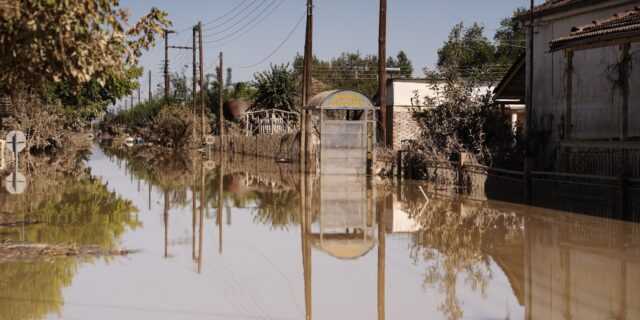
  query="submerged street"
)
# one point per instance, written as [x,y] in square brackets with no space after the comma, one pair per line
[357,250]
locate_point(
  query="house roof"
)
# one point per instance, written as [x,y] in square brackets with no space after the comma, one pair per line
[512,86]
[623,26]
[554,6]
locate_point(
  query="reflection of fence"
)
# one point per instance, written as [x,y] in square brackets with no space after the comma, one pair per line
[270,121]
[607,196]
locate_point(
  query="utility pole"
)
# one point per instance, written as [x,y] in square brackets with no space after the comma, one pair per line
[131,97]
[150,90]
[529,105]
[194,84]
[307,79]
[221,103]
[201,66]
[139,85]
[167,83]
[382,69]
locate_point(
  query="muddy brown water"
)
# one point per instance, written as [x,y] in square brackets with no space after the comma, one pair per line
[282,246]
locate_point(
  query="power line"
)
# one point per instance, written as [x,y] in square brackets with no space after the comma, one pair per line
[248,30]
[240,20]
[250,22]
[233,17]
[214,20]
[279,46]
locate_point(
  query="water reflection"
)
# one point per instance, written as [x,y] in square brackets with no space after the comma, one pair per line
[365,248]
[61,205]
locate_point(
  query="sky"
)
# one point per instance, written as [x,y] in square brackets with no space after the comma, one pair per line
[256,33]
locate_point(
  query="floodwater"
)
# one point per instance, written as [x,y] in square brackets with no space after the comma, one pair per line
[265,243]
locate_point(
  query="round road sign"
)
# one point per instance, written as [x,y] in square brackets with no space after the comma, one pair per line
[16,183]
[209,165]
[209,140]
[16,141]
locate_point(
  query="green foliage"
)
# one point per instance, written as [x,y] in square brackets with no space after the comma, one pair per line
[43,42]
[510,39]
[277,88]
[466,50]
[402,61]
[92,98]
[463,118]
[350,70]
[174,126]
[80,211]
[139,117]
[231,90]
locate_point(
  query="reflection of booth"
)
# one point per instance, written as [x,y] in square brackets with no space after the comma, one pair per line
[347,127]
[347,217]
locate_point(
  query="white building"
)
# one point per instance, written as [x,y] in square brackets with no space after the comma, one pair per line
[585,96]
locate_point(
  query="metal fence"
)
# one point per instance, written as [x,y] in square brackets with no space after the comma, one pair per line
[270,121]
[601,161]
[593,195]
[605,196]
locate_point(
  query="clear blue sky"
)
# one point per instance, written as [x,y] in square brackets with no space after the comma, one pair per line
[419,27]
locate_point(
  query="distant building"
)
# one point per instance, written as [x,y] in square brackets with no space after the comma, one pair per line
[404,96]
[585,98]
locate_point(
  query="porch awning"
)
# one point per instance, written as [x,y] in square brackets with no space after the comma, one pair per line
[621,28]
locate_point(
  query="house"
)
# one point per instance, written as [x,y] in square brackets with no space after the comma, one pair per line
[403,97]
[585,112]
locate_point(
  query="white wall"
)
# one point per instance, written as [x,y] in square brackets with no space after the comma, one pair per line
[596,102]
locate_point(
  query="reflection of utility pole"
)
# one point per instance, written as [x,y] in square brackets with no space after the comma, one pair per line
[381,258]
[193,219]
[150,187]
[167,205]
[201,218]
[220,203]
[305,226]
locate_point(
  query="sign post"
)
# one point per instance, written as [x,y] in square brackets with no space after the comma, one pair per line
[2,148]
[16,182]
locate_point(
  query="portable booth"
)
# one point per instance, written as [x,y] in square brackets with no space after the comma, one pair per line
[346,121]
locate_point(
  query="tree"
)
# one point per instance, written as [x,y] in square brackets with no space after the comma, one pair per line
[510,39]
[44,42]
[402,62]
[91,99]
[466,49]
[277,88]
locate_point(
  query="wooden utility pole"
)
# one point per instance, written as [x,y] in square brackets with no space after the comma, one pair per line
[201,66]
[194,84]
[150,89]
[131,97]
[306,89]
[139,85]
[529,105]
[382,69]
[221,103]
[167,83]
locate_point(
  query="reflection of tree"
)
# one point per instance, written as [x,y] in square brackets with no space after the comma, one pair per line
[33,290]
[278,209]
[456,240]
[82,212]
[75,209]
